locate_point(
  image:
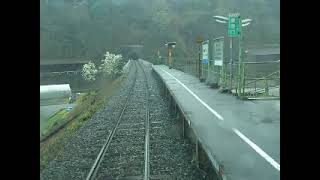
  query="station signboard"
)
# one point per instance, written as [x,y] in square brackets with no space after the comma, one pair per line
[218,52]
[205,52]
[234,25]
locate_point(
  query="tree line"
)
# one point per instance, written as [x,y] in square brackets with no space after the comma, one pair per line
[87,28]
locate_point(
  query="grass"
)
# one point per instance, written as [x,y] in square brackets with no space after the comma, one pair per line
[54,121]
[86,106]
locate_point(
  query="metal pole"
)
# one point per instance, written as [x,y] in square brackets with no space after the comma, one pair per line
[175,109]
[158,58]
[231,64]
[186,66]
[197,153]
[183,119]
[244,80]
[266,88]
[170,58]
[240,78]
[199,62]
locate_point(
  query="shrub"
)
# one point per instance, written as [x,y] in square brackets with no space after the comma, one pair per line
[111,65]
[89,71]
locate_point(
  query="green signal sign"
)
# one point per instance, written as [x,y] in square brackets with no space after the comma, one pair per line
[234,25]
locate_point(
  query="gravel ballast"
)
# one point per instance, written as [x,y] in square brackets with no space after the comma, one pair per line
[170,154]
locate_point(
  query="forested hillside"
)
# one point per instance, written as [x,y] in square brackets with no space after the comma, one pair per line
[87,28]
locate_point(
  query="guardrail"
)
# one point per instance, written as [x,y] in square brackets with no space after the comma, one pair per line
[186,64]
[248,80]
[260,80]
[49,74]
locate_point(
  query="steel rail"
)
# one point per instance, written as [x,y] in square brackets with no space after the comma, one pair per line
[94,169]
[147,126]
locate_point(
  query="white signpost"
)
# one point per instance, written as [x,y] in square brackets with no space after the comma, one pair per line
[235,24]
[205,52]
[205,59]
[218,52]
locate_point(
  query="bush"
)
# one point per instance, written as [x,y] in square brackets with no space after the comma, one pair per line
[111,65]
[89,71]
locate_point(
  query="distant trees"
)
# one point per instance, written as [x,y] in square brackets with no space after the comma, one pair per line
[87,29]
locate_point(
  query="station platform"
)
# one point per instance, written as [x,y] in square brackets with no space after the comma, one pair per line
[242,137]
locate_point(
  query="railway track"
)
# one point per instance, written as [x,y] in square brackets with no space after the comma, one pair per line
[145,142]
[125,154]
[133,137]
[147,129]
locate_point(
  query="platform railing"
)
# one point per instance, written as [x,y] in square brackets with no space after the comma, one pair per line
[228,80]
[260,80]
[185,64]
[249,80]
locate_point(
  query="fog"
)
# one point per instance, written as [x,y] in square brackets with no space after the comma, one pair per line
[87,28]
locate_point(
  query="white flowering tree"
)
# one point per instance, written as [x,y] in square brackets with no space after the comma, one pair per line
[89,71]
[111,65]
